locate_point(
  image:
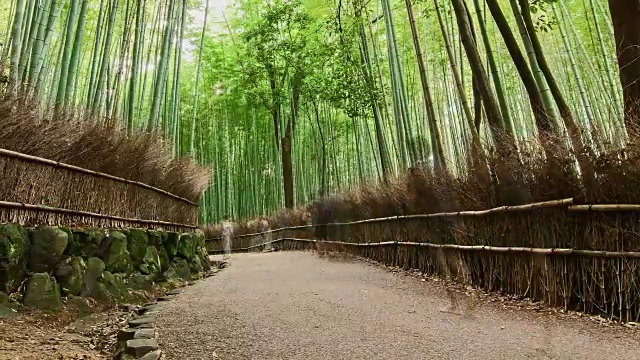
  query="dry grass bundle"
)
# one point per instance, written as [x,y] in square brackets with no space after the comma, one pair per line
[98,146]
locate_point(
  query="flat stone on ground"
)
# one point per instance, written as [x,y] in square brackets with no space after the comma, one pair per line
[126,334]
[141,347]
[154,355]
[145,334]
[174,292]
[138,322]
[145,309]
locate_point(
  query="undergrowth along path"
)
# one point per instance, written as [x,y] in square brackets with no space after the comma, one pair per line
[295,305]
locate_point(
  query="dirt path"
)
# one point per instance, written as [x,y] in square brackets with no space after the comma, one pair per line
[294,305]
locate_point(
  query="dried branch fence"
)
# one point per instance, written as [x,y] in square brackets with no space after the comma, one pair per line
[576,256]
[41,191]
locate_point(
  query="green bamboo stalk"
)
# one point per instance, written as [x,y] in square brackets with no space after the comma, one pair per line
[95,57]
[158,89]
[135,65]
[104,63]
[16,43]
[192,132]
[438,152]
[31,25]
[66,55]
[75,53]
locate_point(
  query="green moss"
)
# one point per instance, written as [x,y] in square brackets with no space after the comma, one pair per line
[70,275]
[157,237]
[117,258]
[14,247]
[152,260]
[171,244]
[187,246]
[42,292]
[115,285]
[47,246]
[164,259]
[86,242]
[137,241]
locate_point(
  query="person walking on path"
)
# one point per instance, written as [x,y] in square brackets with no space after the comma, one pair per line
[227,234]
[266,234]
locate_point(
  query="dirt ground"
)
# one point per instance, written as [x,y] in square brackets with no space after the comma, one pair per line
[83,329]
[61,335]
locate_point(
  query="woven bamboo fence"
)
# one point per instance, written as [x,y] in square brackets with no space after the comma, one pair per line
[41,191]
[580,257]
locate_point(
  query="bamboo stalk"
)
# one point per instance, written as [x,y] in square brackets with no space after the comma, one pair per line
[605,207]
[57,164]
[43,208]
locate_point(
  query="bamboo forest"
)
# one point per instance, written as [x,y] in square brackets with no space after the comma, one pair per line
[319,179]
[290,100]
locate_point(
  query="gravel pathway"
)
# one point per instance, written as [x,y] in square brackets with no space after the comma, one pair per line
[295,305]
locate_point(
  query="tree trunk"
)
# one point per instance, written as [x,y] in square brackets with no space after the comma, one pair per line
[563,107]
[287,166]
[542,118]
[287,142]
[434,132]
[625,15]
[490,103]
[16,44]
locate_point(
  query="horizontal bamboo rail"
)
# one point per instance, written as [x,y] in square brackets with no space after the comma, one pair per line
[57,164]
[605,207]
[500,209]
[43,208]
[245,249]
[496,249]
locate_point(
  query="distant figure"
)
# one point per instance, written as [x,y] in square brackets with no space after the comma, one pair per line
[227,234]
[266,234]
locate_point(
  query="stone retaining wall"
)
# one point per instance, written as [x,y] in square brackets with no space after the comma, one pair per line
[40,265]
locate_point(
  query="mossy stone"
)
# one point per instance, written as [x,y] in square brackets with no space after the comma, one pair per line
[171,273]
[183,269]
[187,246]
[196,266]
[47,246]
[114,284]
[92,277]
[164,259]
[86,242]
[152,260]
[42,292]
[204,258]
[116,256]
[157,237]
[70,275]
[137,241]
[138,281]
[14,248]
[171,244]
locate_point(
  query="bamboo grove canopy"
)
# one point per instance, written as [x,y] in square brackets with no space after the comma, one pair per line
[287,99]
